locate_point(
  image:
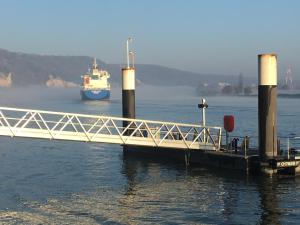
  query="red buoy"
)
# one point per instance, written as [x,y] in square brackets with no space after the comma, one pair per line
[228,123]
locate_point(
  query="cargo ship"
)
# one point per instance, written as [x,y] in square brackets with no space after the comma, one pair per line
[95,85]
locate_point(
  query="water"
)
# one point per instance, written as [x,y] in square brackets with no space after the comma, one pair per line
[60,182]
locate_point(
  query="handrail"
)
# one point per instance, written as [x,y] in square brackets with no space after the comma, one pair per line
[102,116]
[100,128]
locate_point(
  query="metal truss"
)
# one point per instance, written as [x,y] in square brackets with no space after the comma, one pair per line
[94,128]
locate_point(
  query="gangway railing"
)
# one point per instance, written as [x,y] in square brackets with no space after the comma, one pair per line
[16,122]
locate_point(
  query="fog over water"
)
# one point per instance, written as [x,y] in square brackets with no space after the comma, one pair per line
[150,101]
[28,95]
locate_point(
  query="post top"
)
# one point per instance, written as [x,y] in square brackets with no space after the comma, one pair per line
[267,54]
[267,69]
[128,68]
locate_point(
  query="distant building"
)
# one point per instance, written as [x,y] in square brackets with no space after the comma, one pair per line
[5,80]
[288,80]
[239,89]
[59,83]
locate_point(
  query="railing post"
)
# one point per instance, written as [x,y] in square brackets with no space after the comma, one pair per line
[288,148]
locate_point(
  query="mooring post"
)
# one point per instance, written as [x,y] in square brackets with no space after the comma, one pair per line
[267,106]
[128,89]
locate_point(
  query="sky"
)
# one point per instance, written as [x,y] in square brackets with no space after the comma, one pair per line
[211,36]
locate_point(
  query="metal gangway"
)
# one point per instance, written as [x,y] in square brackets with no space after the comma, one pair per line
[51,125]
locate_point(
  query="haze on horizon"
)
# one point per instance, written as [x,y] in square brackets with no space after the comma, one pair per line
[216,36]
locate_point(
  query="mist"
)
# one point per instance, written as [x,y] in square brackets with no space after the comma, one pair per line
[45,98]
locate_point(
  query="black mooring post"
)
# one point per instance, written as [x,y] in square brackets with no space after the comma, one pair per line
[267,106]
[128,95]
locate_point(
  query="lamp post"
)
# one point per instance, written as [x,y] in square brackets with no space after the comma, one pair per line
[127,50]
[131,53]
[203,105]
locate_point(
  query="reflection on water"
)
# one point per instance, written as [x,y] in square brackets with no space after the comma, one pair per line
[268,202]
[157,192]
[279,200]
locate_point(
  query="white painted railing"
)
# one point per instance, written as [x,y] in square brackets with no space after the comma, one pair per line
[94,128]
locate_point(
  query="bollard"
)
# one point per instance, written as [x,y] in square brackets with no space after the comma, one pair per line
[267,106]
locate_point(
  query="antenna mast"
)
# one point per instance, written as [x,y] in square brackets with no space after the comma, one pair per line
[95,63]
[127,50]
[131,53]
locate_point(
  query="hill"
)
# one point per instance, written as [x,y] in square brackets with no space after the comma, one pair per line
[33,69]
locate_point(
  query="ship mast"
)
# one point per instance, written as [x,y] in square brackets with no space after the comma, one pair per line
[95,66]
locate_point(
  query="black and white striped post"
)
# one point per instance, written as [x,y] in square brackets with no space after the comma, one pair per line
[128,88]
[128,92]
[267,106]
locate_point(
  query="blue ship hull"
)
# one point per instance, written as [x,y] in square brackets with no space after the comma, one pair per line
[95,94]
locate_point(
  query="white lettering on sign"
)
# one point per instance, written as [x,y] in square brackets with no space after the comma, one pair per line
[287,164]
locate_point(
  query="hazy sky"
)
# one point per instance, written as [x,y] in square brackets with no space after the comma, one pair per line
[212,36]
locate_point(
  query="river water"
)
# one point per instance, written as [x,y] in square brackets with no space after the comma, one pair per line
[61,182]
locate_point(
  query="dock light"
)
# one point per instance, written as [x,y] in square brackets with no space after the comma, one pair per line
[203,105]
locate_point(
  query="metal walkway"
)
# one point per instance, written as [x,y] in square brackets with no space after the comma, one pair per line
[94,128]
